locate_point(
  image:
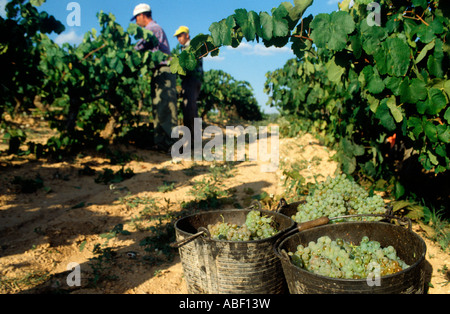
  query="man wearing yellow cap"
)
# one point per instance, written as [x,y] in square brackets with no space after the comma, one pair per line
[163,86]
[191,84]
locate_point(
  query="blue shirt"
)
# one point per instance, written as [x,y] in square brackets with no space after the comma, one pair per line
[159,33]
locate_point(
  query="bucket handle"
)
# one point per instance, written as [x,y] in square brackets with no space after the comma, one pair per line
[325,220]
[403,221]
[185,241]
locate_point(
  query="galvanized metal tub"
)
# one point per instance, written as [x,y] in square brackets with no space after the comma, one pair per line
[410,248]
[226,267]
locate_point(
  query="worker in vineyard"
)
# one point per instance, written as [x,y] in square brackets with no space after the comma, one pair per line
[163,85]
[191,84]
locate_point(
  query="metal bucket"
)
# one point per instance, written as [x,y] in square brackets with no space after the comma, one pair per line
[410,248]
[226,267]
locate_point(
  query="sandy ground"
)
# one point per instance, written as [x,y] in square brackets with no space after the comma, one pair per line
[43,232]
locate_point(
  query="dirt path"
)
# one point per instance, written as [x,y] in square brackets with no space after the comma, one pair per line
[72,216]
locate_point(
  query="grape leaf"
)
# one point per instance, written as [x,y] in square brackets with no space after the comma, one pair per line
[188,61]
[299,9]
[335,71]
[384,115]
[267,25]
[420,3]
[221,32]
[371,79]
[430,130]
[249,23]
[280,24]
[372,37]
[394,57]
[37,3]
[395,111]
[275,25]
[331,30]
[443,135]
[437,101]
[447,115]
[424,51]
[416,124]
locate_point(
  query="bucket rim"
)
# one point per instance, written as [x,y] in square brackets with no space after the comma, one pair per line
[419,260]
[274,213]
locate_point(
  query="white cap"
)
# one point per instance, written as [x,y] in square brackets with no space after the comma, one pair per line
[141,8]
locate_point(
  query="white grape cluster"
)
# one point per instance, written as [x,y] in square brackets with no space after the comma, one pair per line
[256,227]
[341,259]
[336,197]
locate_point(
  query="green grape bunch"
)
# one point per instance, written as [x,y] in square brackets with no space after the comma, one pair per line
[256,227]
[337,197]
[342,259]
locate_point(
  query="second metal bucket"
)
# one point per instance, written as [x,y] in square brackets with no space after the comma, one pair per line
[410,248]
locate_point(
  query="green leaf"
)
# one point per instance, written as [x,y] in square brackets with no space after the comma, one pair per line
[175,66]
[420,3]
[395,111]
[430,131]
[188,61]
[373,103]
[437,68]
[422,106]
[372,37]
[280,24]
[425,33]
[399,190]
[371,79]
[394,57]
[299,8]
[443,133]
[424,51]
[37,3]
[348,164]
[416,124]
[384,115]
[331,30]
[334,71]
[417,91]
[433,158]
[267,25]
[221,33]
[116,65]
[249,23]
[393,83]
[447,88]
[447,115]
[275,28]
[437,101]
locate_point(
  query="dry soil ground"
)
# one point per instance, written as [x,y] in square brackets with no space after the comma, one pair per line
[65,220]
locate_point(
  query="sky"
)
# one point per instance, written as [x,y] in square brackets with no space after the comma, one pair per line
[249,62]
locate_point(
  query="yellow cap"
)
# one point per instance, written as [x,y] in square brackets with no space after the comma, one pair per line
[181,30]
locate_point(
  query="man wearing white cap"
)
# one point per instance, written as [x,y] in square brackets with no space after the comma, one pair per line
[191,84]
[163,86]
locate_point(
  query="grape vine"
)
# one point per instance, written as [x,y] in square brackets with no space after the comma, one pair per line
[372,87]
[92,94]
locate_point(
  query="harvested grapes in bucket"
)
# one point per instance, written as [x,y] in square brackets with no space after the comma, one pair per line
[256,227]
[337,197]
[342,259]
